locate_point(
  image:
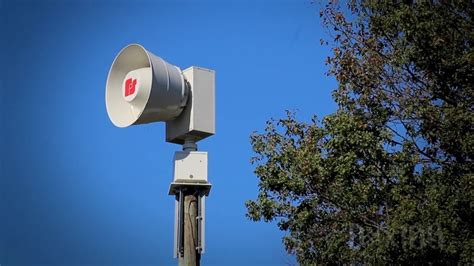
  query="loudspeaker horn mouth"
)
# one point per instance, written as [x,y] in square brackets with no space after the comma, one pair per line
[143,88]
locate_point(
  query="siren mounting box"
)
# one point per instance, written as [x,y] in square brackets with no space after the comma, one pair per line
[190,166]
[190,169]
[197,120]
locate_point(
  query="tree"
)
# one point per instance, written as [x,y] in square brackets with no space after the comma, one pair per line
[388,177]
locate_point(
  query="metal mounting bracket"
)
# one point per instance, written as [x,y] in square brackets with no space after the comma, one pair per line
[178,250]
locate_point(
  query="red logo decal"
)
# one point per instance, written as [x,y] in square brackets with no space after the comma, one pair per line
[130,86]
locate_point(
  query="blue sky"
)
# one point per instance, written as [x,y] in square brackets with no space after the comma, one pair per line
[76,190]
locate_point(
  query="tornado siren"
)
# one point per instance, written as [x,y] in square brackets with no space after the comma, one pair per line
[143,88]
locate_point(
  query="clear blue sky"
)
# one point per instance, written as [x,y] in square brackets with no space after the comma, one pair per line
[77,190]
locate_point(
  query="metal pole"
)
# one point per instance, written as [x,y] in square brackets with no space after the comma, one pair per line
[181,224]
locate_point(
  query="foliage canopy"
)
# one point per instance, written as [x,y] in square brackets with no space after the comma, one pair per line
[388,177]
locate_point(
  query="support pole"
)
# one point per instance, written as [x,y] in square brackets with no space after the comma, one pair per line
[191,257]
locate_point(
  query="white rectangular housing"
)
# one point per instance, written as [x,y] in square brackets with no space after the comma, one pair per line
[197,121]
[190,167]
